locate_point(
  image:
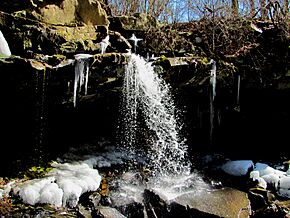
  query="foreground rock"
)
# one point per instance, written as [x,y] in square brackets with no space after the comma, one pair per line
[226,202]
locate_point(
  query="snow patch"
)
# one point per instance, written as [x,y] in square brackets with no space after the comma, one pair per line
[62,186]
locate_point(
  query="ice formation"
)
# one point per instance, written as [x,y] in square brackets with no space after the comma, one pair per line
[62,186]
[266,176]
[104,44]
[237,167]
[81,73]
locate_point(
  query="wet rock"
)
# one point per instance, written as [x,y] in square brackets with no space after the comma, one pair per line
[128,203]
[273,211]
[119,42]
[226,202]
[108,212]
[259,198]
[133,209]
[83,212]
[155,205]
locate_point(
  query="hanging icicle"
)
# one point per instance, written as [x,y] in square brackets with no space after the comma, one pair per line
[212,96]
[81,73]
[238,89]
[104,44]
[135,40]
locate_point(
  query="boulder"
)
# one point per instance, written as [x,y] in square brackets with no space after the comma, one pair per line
[225,202]
[108,212]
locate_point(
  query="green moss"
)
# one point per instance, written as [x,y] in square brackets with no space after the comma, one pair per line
[27,44]
[162,58]
[204,61]
[35,172]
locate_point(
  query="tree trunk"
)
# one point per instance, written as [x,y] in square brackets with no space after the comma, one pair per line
[252,7]
[286,8]
[263,9]
[235,8]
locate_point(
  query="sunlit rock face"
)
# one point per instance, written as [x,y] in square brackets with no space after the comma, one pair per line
[66,27]
[69,11]
[137,22]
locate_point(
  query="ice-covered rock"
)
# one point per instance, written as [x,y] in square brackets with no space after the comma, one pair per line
[237,167]
[62,186]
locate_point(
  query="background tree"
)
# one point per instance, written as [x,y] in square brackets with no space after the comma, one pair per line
[252,8]
[235,7]
[286,8]
[187,10]
[263,9]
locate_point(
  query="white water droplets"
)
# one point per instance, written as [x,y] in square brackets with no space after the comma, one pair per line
[145,91]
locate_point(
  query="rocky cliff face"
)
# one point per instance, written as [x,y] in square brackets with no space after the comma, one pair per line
[68,12]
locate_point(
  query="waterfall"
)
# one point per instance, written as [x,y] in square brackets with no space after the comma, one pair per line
[144,92]
[212,96]
[81,73]
[4,47]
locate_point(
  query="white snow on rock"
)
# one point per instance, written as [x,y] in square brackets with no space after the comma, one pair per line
[267,177]
[62,186]
[237,167]
[265,169]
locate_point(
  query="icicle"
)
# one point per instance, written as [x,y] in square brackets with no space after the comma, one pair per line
[81,73]
[212,96]
[4,47]
[213,78]
[87,69]
[104,44]
[238,91]
[135,40]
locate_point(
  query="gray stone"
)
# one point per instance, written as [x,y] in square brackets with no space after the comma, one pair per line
[109,212]
[226,202]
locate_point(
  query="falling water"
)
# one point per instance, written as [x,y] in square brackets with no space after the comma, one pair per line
[145,92]
[212,96]
[4,47]
[81,73]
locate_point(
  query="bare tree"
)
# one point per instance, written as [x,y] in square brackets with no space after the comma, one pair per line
[235,8]
[187,10]
[263,9]
[252,8]
[286,8]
